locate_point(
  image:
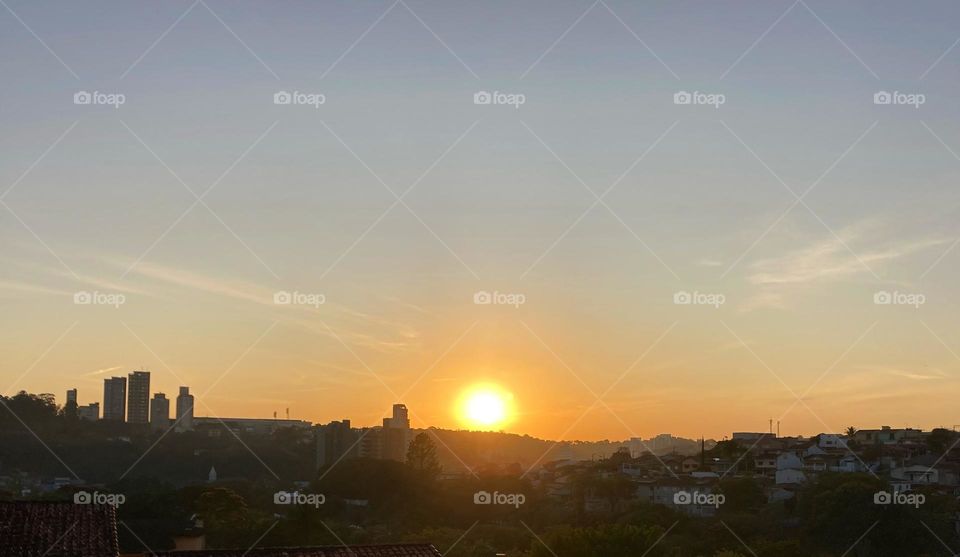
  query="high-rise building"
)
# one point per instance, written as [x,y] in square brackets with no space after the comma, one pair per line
[138,397]
[114,399]
[184,410]
[160,412]
[89,412]
[335,441]
[72,396]
[396,434]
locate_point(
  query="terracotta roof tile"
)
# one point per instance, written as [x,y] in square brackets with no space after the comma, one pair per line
[57,529]
[394,550]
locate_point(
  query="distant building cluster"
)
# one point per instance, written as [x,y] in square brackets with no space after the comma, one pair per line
[127,399]
[339,440]
[908,459]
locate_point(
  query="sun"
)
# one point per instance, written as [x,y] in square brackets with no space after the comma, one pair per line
[485,406]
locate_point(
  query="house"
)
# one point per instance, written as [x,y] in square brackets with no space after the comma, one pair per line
[887,435]
[57,528]
[917,474]
[790,477]
[789,461]
[831,441]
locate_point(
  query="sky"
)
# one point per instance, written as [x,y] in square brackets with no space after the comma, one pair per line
[784,202]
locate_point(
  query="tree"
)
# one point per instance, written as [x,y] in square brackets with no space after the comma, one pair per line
[606,540]
[850,431]
[422,456]
[939,440]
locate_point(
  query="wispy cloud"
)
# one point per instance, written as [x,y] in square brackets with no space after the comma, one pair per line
[847,257]
[96,372]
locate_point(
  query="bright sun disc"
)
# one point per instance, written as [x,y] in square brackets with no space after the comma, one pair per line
[485,406]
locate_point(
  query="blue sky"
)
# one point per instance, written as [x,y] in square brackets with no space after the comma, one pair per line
[503,198]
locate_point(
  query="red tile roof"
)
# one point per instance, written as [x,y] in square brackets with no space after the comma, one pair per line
[61,529]
[393,550]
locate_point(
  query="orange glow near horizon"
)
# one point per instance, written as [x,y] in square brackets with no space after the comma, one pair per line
[485,406]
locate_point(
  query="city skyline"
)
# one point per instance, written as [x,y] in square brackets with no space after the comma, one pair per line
[748,213]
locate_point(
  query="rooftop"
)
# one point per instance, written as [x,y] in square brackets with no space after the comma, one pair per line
[393,550]
[37,528]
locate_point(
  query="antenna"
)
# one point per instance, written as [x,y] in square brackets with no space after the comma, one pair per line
[778,428]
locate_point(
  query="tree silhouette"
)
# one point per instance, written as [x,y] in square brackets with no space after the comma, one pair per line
[422,456]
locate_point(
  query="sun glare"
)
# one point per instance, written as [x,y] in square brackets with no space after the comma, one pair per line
[485,406]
